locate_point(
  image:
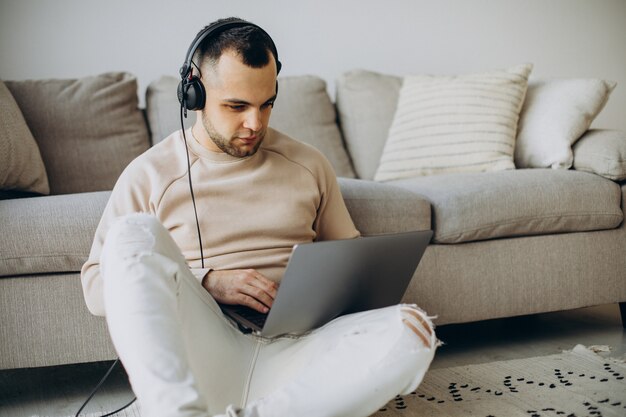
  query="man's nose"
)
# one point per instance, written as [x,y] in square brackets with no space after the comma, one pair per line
[253,120]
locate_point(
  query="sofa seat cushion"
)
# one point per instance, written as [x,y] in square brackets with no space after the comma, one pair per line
[48,234]
[378,208]
[480,206]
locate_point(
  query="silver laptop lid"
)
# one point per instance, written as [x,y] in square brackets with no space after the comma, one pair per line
[326,279]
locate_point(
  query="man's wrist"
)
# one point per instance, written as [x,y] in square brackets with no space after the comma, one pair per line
[200,274]
[205,279]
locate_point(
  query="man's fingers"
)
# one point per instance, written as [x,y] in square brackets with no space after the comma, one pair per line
[259,294]
[265,284]
[257,280]
[260,290]
[246,287]
[260,277]
[253,303]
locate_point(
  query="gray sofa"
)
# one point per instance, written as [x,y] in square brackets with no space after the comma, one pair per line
[505,243]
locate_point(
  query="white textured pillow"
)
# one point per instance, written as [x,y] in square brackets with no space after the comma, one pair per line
[555,115]
[21,166]
[447,124]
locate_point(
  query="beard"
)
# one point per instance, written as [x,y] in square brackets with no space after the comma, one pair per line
[226,145]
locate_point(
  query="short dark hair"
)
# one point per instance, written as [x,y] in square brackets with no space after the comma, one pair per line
[249,42]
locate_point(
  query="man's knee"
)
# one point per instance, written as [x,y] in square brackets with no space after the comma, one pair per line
[132,234]
[420,324]
[138,222]
[140,238]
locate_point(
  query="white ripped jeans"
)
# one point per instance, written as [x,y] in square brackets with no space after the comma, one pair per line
[184,358]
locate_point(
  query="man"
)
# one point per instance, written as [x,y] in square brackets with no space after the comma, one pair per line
[257,194]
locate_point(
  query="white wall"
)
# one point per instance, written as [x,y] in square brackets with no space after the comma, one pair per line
[563,38]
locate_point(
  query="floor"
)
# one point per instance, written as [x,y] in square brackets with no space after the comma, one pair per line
[60,391]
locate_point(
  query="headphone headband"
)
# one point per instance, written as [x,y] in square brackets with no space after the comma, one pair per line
[213,30]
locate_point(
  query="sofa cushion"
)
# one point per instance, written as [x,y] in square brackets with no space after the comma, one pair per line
[555,115]
[21,166]
[379,208]
[366,103]
[303,110]
[87,129]
[479,206]
[54,233]
[602,152]
[48,234]
[163,109]
[446,124]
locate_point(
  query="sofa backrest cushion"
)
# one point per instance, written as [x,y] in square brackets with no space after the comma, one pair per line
[366,103]
[603,152]
[303,110]
[87,129]
[163,109]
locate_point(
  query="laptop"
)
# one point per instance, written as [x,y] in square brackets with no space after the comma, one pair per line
[324,280]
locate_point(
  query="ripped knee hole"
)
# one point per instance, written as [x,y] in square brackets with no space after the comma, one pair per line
[418,324]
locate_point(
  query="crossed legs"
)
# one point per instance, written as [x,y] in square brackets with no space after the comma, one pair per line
[185,359]
[350,367]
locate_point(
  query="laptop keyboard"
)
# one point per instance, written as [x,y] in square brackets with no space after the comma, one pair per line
[252,315]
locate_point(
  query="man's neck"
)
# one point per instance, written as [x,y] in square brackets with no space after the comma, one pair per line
[204,139]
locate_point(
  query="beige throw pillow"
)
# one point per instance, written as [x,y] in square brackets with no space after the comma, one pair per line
[21,166]
[447,124]
[88,129]
[555,115]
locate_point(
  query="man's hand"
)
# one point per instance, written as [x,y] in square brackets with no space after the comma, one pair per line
[241,286]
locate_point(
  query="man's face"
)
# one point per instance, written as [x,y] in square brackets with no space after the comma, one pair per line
[238,105]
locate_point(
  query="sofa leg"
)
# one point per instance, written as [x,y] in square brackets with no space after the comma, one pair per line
[622,310]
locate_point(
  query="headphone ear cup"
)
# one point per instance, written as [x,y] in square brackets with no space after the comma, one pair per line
[191,93]
[179,93]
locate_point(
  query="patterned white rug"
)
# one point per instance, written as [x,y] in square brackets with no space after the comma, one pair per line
[574,383]
[570,384]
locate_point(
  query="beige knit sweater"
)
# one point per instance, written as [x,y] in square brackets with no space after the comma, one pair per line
[252,210]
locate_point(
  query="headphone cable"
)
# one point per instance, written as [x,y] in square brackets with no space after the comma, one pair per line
[96,390]
[195,212]
[183,109]
[193,198]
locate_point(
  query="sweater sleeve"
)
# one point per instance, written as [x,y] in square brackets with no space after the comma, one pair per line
[333,220]
[131,194]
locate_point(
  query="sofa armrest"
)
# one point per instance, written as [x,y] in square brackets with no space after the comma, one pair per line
[602,152]
[378,208]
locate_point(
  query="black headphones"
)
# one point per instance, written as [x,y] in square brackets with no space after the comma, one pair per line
[191,92]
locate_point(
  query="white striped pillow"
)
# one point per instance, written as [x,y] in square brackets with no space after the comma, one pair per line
[447,124]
